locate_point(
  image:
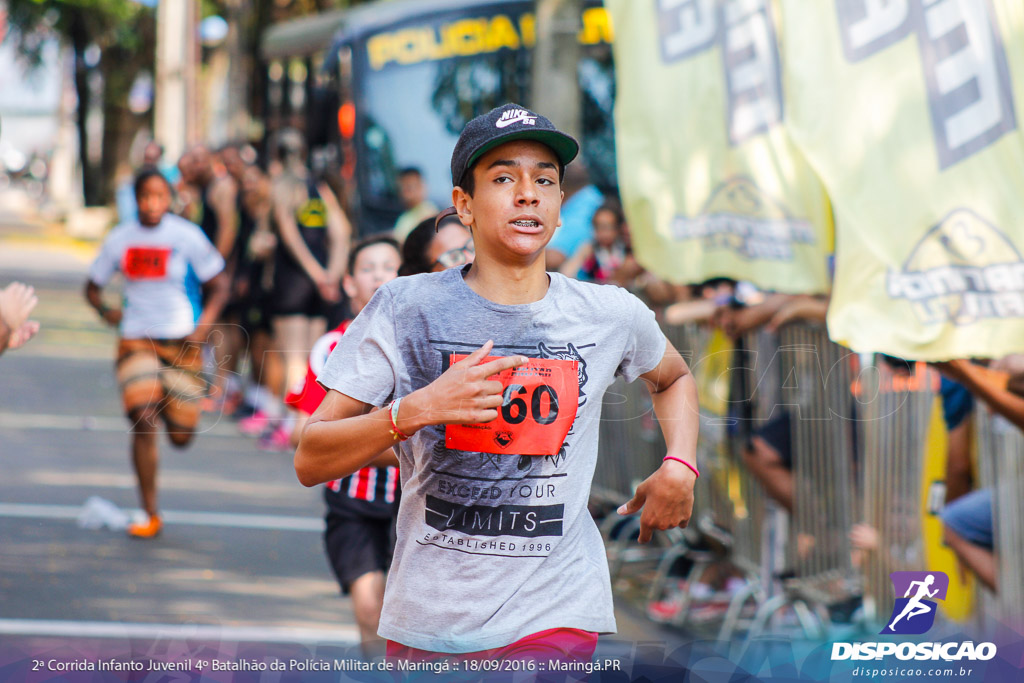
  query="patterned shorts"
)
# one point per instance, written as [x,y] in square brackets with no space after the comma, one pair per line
[165,374]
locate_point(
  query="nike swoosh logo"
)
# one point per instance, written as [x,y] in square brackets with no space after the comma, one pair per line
[505,123]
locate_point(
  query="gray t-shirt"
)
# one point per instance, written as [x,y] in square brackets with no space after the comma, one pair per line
[492,547]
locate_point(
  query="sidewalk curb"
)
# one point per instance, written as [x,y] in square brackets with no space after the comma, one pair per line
[83,250]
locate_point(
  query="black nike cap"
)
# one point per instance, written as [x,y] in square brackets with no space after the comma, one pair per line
[504,124]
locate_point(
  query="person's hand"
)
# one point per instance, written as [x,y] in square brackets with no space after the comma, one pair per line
[21,335]
[797,308]
[864,536]
[198,336]
[463,394]
[16,303]
[112,316]
[666,498]
[864,539]
[682,312]
[736,322]
[262,245]
[329,291]
[953,369]
[722,318]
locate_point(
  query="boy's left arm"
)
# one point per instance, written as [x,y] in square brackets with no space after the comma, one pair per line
[666,497]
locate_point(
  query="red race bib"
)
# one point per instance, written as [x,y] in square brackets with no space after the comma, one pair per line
[145,263]
[541,398]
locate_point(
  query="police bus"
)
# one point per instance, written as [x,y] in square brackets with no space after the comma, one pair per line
[390,85]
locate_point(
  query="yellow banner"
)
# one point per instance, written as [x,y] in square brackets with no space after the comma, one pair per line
[710,180]
[910,111]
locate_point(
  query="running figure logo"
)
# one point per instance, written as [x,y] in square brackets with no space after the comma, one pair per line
[914,613]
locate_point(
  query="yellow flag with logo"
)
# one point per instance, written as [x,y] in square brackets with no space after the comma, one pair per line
[710,180]
[910,111]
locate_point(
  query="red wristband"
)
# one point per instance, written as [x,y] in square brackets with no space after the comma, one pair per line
[672,457]
[393,414]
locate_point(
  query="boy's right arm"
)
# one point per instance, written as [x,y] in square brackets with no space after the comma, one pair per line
[345,435]
[341,437]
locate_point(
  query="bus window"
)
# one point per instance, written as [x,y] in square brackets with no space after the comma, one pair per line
[414,80]
[597,88]
[412,116]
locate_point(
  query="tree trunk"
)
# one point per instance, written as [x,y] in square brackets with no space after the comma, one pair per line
[120,67]
[79,42]
[556,58]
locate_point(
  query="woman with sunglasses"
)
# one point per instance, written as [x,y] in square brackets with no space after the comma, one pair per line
[428,250]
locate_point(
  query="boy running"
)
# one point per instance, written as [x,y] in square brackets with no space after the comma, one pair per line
[360,507]
[496,554]
[158,354]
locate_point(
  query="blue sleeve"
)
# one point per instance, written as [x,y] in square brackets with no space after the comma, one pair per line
[957,403]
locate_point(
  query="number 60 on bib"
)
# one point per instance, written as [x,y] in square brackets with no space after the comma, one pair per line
[540,402]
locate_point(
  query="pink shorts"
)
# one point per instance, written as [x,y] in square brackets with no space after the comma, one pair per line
[562,644]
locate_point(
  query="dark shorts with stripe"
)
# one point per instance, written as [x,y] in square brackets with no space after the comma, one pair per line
[358,545]
[165,374]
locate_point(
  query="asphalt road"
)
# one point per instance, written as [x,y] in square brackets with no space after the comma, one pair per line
[238,574]
[240,559]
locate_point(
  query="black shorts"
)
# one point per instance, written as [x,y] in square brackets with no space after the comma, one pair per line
[295,293]
[775,432]
[357,546]
[257,305]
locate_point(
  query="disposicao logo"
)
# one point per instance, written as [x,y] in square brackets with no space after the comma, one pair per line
[913,614]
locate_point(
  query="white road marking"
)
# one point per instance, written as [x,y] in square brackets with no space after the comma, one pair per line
[208,519]
[341,634]
[93,423]
[171,480]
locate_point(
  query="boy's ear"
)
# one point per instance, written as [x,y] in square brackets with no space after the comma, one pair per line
[463,204]
[349,285]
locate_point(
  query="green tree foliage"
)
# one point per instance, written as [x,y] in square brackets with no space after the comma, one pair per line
[124,32]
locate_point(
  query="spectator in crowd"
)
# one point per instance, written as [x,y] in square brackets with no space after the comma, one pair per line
[359,535]
[217,195]
[968,520]
[267,382]
[436,245]
[233,339]
[599,259]
[313,244]
[153,155]
[582,199]
[769,455]
[214,208]
[412,190]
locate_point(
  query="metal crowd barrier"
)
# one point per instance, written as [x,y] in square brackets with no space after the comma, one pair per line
[896,408]
[726,524]
[630,449]
[860,438]
[814,380]
[1001,465]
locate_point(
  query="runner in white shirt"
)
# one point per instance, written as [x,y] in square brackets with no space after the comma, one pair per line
[162,258]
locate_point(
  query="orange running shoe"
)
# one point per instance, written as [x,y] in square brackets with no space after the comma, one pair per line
[147,529]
